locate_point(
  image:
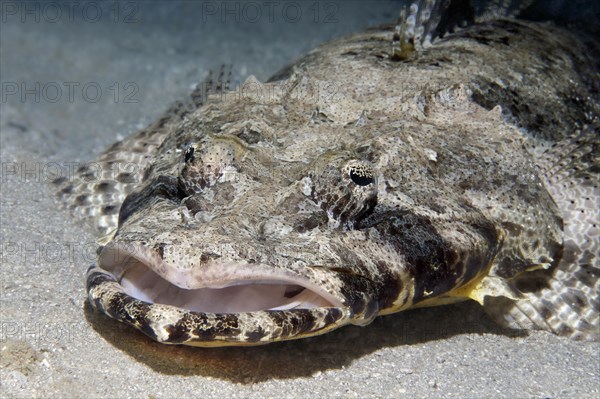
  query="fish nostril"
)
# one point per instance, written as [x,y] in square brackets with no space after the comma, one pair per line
[160,249]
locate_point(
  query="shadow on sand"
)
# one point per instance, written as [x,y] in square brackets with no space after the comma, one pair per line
[300,358]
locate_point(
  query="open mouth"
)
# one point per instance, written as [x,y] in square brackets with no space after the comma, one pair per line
[217,287]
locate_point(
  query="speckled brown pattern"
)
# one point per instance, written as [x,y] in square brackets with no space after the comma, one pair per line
[389,182]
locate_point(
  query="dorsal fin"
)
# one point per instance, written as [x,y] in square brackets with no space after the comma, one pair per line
[423,21]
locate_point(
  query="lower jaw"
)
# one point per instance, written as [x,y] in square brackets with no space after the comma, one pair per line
[173,325]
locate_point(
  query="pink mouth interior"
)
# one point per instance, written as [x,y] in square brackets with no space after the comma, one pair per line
[240,288]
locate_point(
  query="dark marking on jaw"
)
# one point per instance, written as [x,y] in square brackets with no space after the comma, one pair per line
[390,285]
[97,278]
[179,332]
[205,330]
[332,316]
[291,323]
[435,264]
[358,288]
[129,310]
[471,264]
[144,323]
[427,256]
[256,335]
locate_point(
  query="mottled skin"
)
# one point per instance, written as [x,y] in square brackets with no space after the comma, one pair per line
[387,183]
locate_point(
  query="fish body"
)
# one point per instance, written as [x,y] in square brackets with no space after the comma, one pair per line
[374,175]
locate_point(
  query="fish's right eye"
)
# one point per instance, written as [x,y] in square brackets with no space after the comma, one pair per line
[361,174]
[348,192]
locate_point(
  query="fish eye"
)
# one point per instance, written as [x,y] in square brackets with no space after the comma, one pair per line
[361,174]
[189,154]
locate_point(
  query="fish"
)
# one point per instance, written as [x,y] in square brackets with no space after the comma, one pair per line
[451,156]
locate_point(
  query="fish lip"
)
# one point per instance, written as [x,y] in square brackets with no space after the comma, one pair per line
[118,259]
[182,327]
